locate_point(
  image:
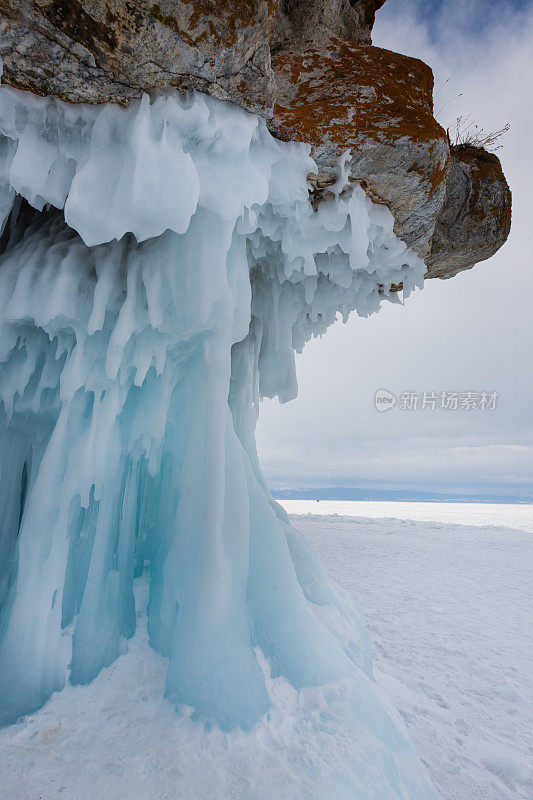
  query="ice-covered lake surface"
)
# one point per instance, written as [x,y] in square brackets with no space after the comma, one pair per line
[450,618]
[449,612]
[479,514]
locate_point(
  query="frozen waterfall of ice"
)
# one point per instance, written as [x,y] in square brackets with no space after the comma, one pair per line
[160,265]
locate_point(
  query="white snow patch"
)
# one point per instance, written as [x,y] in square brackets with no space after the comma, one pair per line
[118,738]
[449,613]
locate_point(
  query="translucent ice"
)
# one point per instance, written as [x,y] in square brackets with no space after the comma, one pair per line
[160,265]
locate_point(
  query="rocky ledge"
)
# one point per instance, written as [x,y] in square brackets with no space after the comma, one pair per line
[308,67]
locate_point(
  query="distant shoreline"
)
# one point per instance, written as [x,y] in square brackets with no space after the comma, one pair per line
[396,495]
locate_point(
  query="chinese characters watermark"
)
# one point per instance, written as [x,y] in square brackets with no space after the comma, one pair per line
[443,401]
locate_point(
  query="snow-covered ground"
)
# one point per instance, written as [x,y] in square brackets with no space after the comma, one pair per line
[450,617]
[449,608]
[479,514]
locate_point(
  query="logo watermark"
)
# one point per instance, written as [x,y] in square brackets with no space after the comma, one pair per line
[436,401]
[384,400]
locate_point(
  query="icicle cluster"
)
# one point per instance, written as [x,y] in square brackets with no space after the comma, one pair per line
[159,267]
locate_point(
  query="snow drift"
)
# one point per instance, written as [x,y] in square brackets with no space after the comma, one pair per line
[159,267]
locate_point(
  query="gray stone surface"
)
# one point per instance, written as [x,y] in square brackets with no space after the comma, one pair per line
[475,218]
[111,51]
[317,20]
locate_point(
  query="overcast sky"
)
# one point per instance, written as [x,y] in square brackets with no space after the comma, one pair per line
[471,333]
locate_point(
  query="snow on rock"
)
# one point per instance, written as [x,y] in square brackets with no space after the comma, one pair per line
[160,265]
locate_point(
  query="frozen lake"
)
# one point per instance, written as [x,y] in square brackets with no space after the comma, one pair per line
[449,610]
[479,514]
[449,614]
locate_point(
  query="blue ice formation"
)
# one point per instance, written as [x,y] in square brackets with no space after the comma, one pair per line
[160,265]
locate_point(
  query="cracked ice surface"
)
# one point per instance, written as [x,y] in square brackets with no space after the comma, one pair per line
[159,267]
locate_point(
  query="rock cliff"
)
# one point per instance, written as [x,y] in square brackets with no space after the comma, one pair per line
[343,95]
[475,218]
[97,51]
[309,68]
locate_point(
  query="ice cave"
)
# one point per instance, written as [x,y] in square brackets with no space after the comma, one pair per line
[160,266]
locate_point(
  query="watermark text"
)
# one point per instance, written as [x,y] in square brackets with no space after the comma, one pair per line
[384,400]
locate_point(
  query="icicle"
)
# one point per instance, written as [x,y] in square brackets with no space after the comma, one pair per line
[178,268]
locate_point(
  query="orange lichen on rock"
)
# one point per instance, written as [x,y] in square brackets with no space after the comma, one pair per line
[219,23]
[378,105]
[347,90]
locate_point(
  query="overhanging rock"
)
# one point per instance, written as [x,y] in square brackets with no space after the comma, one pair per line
[308,68]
